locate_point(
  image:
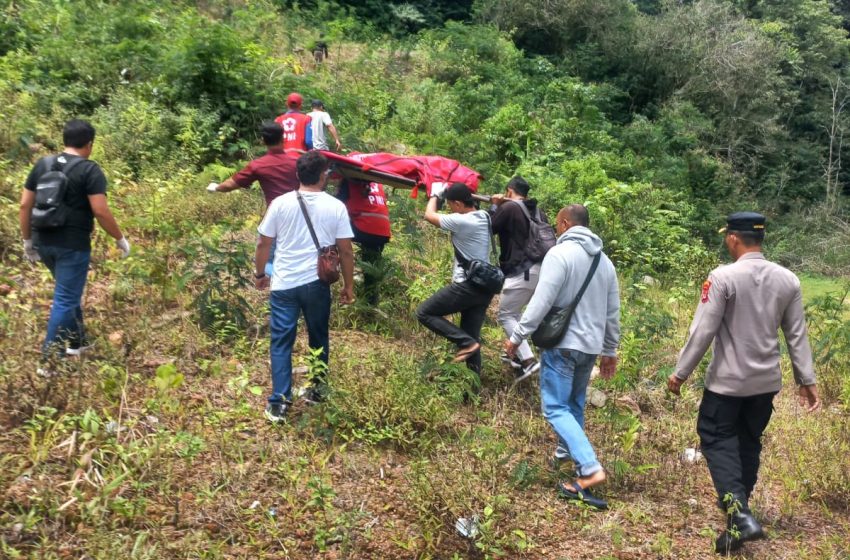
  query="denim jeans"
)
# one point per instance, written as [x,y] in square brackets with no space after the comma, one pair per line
[314,301]
[457,297]
[564,376]
[69,268]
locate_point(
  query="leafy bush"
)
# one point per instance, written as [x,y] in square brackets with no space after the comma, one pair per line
[147,139]
[219,265]
[815,239]
[665,246]
[828,318]
[647,327]
[212,63]
[20,124]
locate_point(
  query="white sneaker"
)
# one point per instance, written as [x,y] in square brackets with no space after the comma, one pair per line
[276,412]
[562,455]
[510,361]
[46,373]
[79,351]
[527,371]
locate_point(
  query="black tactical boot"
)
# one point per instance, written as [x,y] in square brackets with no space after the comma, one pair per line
[740,528]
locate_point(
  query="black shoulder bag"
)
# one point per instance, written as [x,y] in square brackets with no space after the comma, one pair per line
[555,323]
[327,266]
[481,274]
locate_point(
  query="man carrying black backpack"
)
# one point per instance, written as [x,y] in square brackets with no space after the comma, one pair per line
[63,195]
[524,237]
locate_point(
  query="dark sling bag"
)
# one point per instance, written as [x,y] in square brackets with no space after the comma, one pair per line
[555,324]
[481,274]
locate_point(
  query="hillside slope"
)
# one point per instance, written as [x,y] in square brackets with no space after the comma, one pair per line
[154,446]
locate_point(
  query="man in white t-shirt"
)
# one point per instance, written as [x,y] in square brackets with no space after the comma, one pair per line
[295,284]
[470,230]
[320,120]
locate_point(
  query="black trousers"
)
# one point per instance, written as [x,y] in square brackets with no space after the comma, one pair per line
[457,297]
[730,431]
[371,253]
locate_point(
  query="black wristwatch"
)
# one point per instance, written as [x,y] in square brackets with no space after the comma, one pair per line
[258,276]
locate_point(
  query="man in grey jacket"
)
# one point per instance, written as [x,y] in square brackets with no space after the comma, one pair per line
[593,331]
[741,308]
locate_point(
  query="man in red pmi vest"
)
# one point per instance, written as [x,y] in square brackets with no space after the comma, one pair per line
[370,220]
[297,132]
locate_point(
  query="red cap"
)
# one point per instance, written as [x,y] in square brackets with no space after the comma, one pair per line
[294,99]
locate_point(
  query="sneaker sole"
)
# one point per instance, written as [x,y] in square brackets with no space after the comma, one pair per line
[47,373]
[511,363]
[78,351]
[274,419]
[525,375]
[304,394]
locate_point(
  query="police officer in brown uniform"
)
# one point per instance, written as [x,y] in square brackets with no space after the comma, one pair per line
[742,306]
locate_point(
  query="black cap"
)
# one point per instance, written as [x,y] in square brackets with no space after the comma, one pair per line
[745,221]
[459,192]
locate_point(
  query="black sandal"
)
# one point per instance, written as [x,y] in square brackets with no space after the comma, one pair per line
[575,493]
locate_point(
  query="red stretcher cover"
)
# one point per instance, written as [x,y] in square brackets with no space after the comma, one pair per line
[409,172]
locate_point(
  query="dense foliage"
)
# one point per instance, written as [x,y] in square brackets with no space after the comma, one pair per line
[660,115]
[761,74]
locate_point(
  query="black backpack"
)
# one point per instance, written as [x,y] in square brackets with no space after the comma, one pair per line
[541,236]
[51,210]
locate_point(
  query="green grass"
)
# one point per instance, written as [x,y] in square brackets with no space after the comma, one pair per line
[155,446]
[816,286]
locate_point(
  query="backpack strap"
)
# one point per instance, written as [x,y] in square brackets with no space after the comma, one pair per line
[538,217]
[50,163]
[523,208]
[53,164]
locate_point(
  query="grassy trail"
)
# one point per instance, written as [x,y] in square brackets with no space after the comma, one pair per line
[144,459]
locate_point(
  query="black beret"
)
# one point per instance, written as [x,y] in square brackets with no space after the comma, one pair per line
[745,221]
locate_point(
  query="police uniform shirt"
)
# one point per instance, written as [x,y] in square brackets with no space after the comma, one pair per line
[741,307]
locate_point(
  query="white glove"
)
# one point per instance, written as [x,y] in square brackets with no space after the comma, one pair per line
[30,253]
[438,188]
[124,246]
[212,187]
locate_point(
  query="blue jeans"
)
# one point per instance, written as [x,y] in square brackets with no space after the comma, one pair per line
[564,375]
[314,301]
[69,268]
